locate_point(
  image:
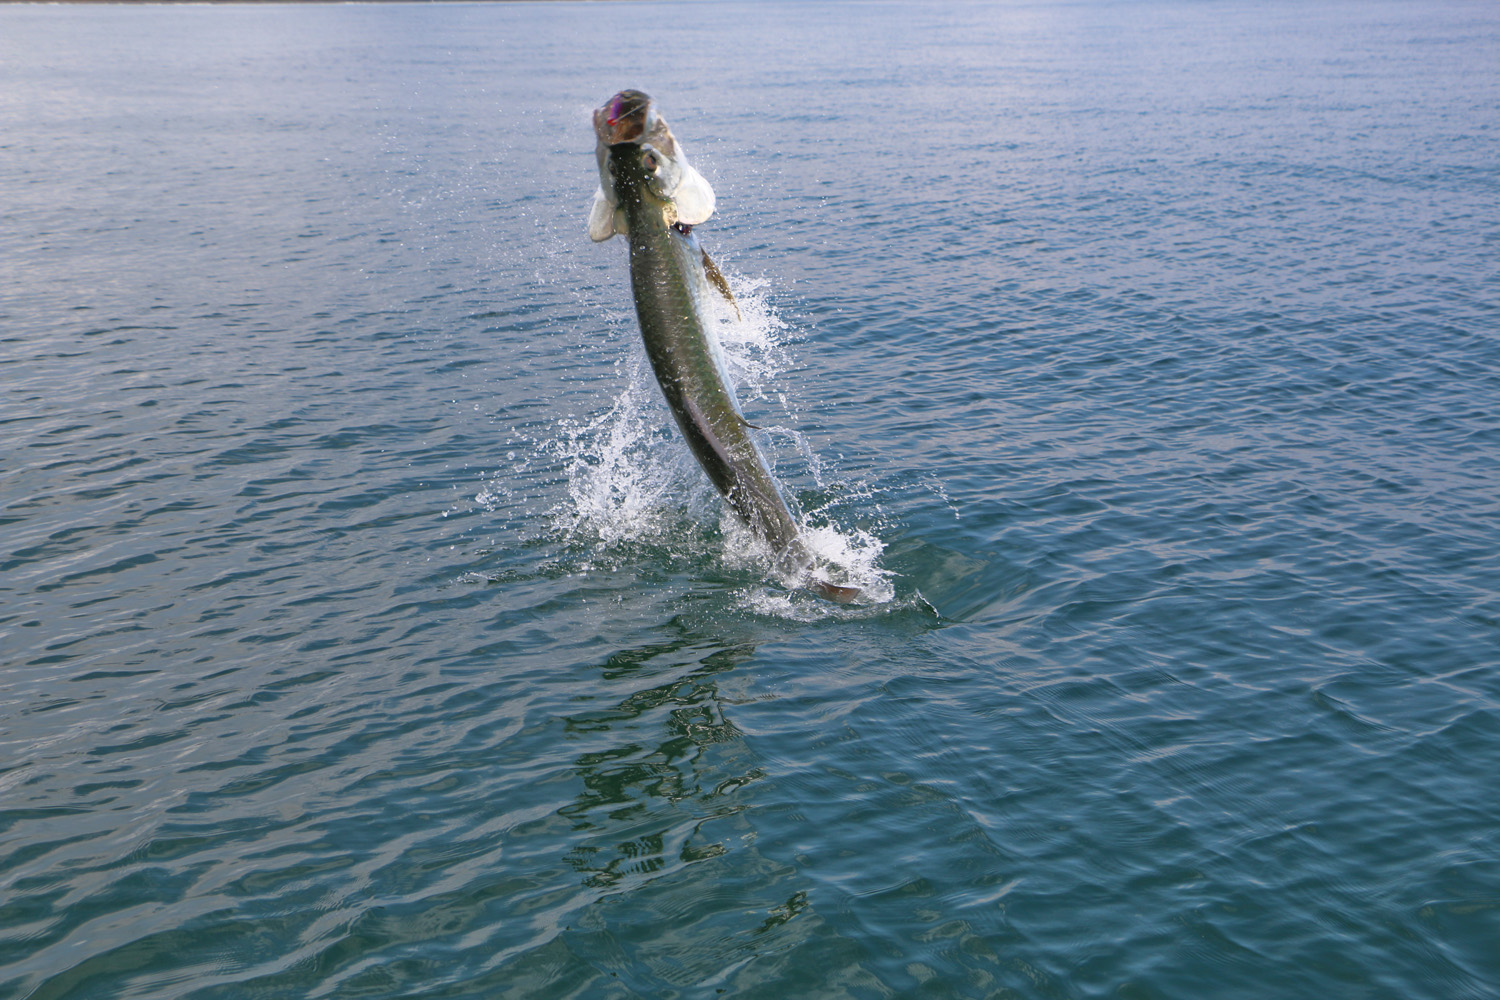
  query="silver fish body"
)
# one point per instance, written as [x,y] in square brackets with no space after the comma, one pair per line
[673,283]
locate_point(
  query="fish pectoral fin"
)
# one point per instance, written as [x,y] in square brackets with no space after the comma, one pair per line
[716,278]
[604,218]
[692,194]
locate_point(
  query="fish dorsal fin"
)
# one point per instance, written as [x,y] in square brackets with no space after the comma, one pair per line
[716,278]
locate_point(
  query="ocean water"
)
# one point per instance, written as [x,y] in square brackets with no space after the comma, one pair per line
[366,630]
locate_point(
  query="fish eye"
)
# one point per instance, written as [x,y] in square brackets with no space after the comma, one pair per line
[649,161]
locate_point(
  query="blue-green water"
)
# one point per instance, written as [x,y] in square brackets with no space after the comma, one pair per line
[367,631]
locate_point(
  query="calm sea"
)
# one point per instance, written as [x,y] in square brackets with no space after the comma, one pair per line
[367,631]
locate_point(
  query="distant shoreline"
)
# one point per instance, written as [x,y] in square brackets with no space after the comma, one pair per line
[249,3]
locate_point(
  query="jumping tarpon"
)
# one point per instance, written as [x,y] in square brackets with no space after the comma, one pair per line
[651,195]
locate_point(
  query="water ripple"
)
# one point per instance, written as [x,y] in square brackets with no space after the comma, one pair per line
[367,632]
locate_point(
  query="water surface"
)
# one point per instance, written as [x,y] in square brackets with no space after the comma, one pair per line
[366,630]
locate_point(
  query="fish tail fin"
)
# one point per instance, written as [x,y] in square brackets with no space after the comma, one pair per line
[831,591]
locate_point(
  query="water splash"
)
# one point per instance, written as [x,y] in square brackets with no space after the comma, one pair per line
[848,557]
[623,475]
[631,481]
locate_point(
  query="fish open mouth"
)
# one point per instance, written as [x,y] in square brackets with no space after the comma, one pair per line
[623,117]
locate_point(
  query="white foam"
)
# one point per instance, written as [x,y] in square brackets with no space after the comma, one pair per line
[621,477]
[631,480]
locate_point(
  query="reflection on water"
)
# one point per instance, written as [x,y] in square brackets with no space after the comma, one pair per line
[664,785]
[621,781]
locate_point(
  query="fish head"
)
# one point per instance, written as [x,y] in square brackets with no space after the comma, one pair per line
[640,159]
[629,116]
[642,171]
